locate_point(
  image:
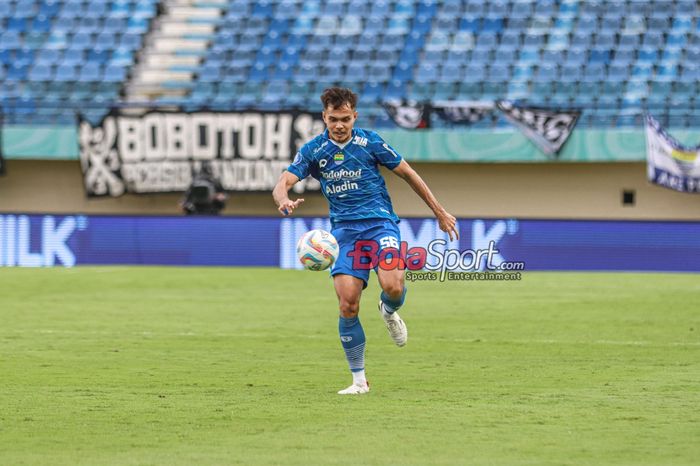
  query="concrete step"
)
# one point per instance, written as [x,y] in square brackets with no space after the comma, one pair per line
[144,93]
[156,76]
[174,50]
[164,61]
[179,28]
[183,68]
[198,3]
[183,12]
[174,44]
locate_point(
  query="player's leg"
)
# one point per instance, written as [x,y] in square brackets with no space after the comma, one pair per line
[393,288]
[391,279]
[349,281]
[391,299]
[352,336]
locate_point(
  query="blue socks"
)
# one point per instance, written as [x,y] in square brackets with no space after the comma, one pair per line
[352,337]
[391,305]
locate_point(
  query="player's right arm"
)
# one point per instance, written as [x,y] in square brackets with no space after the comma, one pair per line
[299,169]
[280,194]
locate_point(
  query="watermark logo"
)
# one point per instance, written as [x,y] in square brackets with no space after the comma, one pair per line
[439,261]
[476,235]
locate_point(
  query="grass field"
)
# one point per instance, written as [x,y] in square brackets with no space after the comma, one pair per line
[185,366]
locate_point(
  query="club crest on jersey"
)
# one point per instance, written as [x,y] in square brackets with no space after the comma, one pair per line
[338,158]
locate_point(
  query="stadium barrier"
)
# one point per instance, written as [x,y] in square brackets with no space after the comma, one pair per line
[70,240]
[49,131]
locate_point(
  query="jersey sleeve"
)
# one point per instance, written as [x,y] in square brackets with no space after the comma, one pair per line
[301,165]
[384,153]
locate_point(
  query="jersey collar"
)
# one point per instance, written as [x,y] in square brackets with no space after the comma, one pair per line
[340,146]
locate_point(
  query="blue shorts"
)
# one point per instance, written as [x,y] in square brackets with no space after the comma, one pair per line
[383,232]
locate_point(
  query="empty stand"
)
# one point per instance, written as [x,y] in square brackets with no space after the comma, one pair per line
[614,59]
[57,56]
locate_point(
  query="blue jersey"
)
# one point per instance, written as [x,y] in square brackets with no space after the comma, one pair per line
[349,176]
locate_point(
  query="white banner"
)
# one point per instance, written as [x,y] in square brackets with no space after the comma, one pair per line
[670,164]
[160,151]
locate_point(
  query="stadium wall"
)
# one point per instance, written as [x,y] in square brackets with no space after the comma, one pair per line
[521,190]
[510,244]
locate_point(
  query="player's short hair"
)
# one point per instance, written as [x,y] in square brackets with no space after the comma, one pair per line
[337,97]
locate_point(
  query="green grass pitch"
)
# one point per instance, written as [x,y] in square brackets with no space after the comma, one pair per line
[185,366]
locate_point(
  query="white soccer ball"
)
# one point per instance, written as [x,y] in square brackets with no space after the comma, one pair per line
[317,250]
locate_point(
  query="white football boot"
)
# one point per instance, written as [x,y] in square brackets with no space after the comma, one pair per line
[395,325]
[356,389]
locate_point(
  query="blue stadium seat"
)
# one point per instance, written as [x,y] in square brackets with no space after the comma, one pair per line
[73,56]
[521,72]
[41,23]
[648,54]
[90,72]
[232,74]
[547,71]
[120,56]
[599,55]
[396,89]
[66,73]
[40,72]
[451,72]
[618,72]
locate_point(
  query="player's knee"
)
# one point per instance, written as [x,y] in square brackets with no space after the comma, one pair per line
[394,289]
[348,308]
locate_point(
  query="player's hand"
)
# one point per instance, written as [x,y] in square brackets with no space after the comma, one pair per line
[288,206]
[448,224]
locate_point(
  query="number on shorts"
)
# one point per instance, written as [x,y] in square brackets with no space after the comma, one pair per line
[389,242]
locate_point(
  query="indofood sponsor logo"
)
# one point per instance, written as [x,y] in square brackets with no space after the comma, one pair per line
[343,175]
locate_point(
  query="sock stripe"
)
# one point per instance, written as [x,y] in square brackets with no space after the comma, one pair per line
[356,351]
[356,357]
[352,337]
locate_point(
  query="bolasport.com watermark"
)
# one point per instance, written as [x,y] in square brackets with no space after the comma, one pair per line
[436,262]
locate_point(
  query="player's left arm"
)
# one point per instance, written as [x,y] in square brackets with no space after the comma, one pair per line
[447,222]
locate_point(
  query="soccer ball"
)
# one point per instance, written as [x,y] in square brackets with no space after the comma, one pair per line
[317,250]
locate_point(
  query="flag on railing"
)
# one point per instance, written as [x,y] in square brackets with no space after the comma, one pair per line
[547,128]
[412,114]
[462,112]
[669,163]
[409,114]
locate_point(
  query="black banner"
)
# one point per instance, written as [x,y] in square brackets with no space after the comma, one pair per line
[409,114]
[412,114]
[547,128]
[159,151]
[462,112]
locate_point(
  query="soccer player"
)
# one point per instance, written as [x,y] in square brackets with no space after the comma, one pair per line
[346,161]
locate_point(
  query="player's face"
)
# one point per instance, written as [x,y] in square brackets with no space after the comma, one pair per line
[339,122]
